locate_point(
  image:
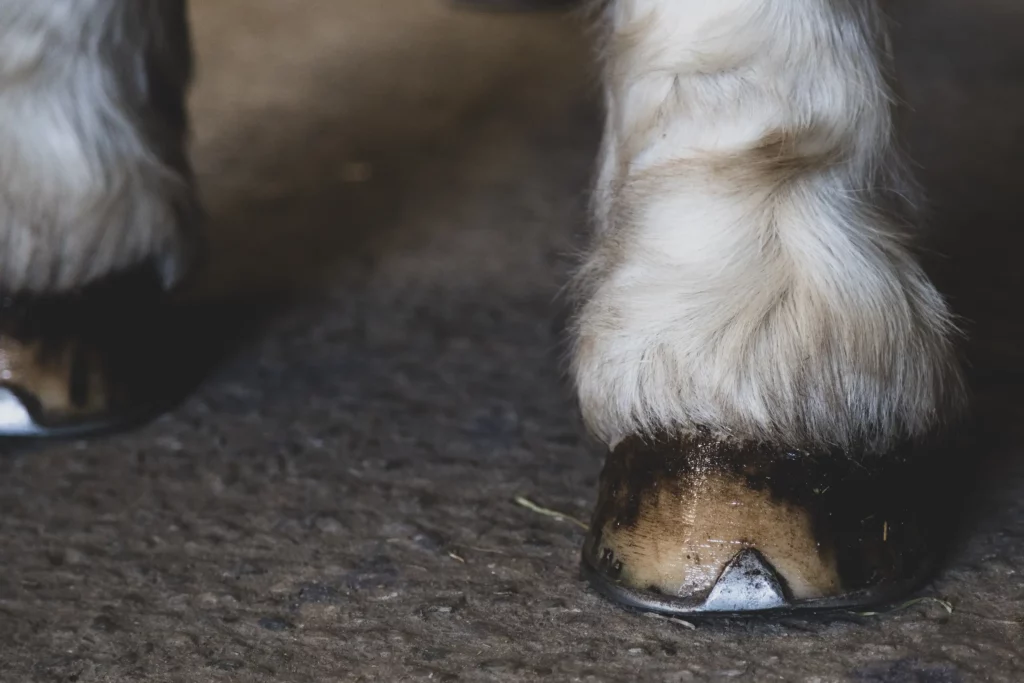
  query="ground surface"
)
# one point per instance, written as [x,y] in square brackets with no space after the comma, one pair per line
[335,503]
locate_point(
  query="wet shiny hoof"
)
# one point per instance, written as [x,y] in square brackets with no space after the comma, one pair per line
[87,361]
[697,525]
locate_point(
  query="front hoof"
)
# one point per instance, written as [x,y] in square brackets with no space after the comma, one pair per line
[85,361]
[700,525]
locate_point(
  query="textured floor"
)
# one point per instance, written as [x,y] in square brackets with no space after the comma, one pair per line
[335,503]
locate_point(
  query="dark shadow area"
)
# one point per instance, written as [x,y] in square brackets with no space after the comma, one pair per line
[961,75]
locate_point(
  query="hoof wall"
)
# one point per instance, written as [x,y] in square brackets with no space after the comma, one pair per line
[696,525]
[84,362]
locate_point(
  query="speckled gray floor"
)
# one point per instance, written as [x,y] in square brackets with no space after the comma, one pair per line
[335,502]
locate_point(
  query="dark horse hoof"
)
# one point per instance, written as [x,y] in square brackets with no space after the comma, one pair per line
[84,361]
[698,525]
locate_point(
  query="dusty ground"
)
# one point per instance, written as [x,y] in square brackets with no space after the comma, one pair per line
[335,502]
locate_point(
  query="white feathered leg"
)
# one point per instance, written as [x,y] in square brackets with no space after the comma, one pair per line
[751,269]
[93,172]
